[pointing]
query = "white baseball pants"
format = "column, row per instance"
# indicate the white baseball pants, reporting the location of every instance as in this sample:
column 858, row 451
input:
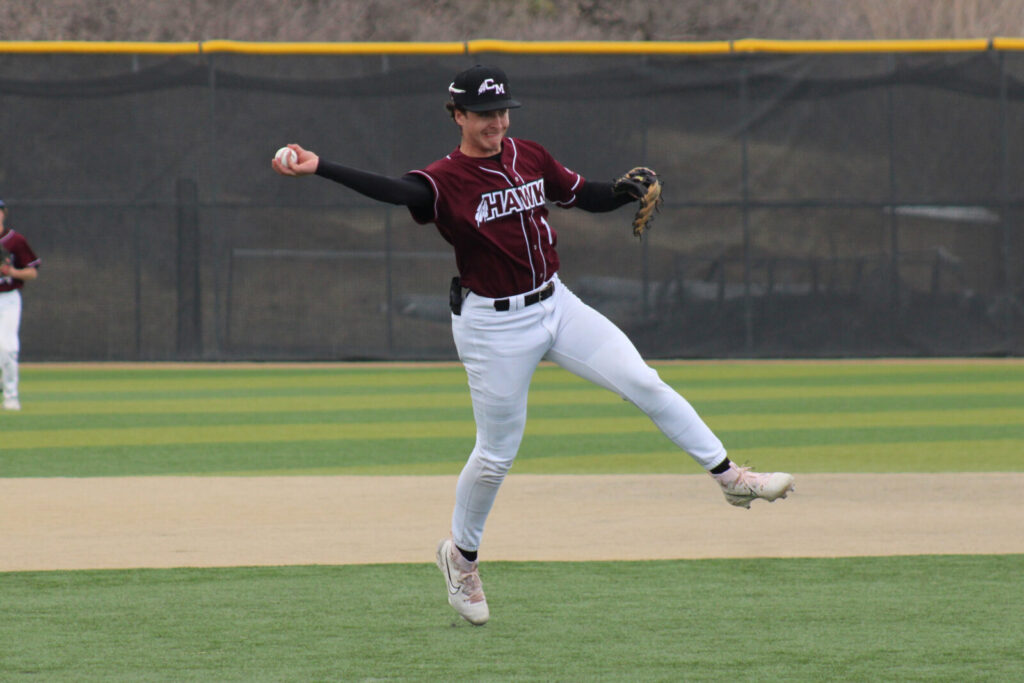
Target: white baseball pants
column 10, row 320
column 500, row 351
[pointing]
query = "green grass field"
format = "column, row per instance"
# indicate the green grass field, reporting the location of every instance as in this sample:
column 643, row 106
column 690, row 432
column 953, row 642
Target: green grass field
column 867, row 619
column 938, row 618
column 804, row 417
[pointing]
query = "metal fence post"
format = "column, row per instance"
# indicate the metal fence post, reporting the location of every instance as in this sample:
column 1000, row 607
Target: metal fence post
column 894, row 228
column 389, row 283
column 389, row 247
column 189, row 310
column 1004, row 202
column 221, row 322
column 745, row 122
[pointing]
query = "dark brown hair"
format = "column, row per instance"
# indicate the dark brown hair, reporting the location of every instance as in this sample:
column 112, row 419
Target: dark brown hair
column 450, row 107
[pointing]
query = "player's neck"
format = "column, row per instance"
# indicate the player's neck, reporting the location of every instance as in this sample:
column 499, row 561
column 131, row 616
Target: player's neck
column 475, row 151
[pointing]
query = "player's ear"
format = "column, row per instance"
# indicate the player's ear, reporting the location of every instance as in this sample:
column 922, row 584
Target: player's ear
column 459, row 115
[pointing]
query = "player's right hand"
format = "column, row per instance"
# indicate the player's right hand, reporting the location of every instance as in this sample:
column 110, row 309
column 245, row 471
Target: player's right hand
column 305, row 164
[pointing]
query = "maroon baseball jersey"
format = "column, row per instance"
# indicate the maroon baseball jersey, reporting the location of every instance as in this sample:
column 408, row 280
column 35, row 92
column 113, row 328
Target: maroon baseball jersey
column 15, row 247
column 493, row 212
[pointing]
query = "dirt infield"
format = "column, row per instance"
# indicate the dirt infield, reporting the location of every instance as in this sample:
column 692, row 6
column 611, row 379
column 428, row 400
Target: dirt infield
column 227, row 521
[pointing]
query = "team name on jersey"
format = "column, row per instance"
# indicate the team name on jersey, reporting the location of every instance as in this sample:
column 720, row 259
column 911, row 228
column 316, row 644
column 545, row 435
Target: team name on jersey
column 510, row 200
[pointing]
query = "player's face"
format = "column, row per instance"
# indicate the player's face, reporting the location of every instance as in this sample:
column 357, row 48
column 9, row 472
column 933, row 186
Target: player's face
column 482, row 132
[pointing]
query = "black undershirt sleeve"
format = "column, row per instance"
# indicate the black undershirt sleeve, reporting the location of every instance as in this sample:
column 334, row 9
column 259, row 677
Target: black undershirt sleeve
column 414, row 192
column 409, row 190
column 598, row 197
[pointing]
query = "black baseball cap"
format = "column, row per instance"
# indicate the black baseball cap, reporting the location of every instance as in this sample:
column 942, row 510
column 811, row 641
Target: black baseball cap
column 482, row 88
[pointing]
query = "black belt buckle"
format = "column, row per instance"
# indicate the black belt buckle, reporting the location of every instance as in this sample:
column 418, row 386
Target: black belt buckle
column 542, row 295
column 455, row 296
column 528, row 300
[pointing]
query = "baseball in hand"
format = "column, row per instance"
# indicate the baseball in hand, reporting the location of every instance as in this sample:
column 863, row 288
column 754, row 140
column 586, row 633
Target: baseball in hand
column 286, row 156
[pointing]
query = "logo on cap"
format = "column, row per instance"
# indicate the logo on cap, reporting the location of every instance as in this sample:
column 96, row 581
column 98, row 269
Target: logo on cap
column 489, row 84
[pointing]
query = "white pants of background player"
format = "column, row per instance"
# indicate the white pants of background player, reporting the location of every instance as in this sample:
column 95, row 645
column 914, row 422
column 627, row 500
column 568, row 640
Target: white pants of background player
column 10, row 319
column 500, row 351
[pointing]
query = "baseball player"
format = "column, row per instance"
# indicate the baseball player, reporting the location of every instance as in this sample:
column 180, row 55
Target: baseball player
column 18, row 263
column 489, row 199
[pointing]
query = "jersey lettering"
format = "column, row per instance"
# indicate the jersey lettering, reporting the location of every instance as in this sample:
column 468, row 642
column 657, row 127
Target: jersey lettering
column 510, row 200
column 494, row 212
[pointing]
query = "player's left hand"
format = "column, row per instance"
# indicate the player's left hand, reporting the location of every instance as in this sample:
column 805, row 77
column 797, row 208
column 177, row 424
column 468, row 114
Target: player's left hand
column 636, row 182
column 642, row 184
column 5, row 269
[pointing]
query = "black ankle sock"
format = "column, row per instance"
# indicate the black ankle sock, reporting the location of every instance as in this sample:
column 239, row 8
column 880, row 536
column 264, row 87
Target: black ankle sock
column 722, row 467
column 468, row 554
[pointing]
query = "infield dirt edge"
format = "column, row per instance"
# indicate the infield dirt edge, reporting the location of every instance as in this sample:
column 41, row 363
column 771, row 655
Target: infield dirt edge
column 135, row 522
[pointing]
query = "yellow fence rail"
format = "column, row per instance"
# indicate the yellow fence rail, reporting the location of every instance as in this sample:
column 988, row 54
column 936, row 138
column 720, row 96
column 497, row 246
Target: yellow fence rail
column 722, row 47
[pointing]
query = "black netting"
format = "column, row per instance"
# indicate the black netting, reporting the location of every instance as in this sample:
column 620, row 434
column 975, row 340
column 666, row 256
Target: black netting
column 817, row 205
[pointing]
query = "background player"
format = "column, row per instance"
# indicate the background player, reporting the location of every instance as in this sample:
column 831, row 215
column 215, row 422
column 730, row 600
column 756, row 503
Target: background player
column 510, row 310
column 18, row 263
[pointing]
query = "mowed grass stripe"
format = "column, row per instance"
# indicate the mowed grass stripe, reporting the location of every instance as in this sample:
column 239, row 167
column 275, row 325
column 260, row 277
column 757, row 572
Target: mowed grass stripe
column 569, row 419
column 842, row 390
column 370, row 375
column 56, row 380
column 850, row 420
column 56, row 400
column 594, row 402
column 597, row 409
column 120, row 380
column 284, row 385
column 195, row 401
column 983, row 455
column 892, row 370
column 236, row 433
column 976, row 455
column 862, row 404
column 539, row 395
column 921, row 450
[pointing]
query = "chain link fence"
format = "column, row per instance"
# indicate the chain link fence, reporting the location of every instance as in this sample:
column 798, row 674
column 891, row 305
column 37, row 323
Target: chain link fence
column 817, row 205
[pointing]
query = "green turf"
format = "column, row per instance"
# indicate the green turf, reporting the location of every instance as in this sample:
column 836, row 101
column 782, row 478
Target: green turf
column 935, row 618
column 802, row 416
column 944, row 618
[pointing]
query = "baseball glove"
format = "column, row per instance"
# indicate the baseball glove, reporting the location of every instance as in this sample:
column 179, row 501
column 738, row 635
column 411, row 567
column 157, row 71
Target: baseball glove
column 642, row 184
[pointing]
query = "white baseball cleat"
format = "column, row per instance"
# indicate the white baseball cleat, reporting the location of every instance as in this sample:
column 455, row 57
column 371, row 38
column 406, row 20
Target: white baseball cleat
column 12, row 404
column 741, row 486
column 462, row 579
